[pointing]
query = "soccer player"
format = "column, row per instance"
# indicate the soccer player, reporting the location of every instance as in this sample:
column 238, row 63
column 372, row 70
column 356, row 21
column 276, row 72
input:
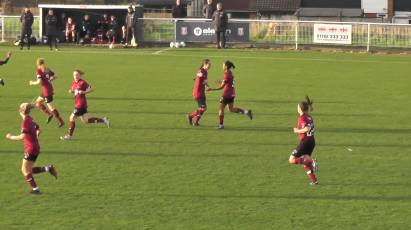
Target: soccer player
column 79, row 87
column 228, row 95
column 200, row 86
column 70, row 30
column 29, row 133
column 305, row 131
column 44, row 78
column 3, row 63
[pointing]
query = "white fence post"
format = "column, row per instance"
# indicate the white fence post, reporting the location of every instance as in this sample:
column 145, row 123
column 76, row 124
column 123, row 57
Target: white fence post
column 296, row 35
column 368, row 37
column 2, row 29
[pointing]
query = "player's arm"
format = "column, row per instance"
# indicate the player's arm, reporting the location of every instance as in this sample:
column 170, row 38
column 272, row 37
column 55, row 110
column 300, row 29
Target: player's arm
column 37, row 127
column 88, row 90
column 302, row 130
column 7, row 58
column 36, row 82
column 15, row 138
column 222, row 84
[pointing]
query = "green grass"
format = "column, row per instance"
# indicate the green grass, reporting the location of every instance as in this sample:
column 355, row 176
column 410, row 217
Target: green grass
column 152, row 171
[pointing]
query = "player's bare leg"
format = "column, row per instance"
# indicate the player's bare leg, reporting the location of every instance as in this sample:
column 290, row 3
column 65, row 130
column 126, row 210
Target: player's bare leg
column 233, row 109
column 55, row 113
column 26, row 169
column 309, row 166
column 40, row 105
column 72, row 126
column 221, row 116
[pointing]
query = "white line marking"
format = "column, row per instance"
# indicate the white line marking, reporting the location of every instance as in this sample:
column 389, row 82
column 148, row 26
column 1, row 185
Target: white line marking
column 160, row 51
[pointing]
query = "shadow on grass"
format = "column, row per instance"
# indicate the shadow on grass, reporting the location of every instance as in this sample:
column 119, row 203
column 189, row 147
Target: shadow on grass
column 292, row 197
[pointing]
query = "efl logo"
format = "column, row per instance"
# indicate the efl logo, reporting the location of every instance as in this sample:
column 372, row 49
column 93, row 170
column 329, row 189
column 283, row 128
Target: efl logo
column 198, row 31
column 240, row 31
column 184, row 31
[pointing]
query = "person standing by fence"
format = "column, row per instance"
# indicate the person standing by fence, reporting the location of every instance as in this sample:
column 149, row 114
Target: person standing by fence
column 220, row 20
column 130, row 27
column 208, row 9
column 51, row 29
column 179, row 10
column 26, row 20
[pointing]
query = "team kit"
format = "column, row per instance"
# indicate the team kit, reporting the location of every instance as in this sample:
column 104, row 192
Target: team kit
column 30, row 130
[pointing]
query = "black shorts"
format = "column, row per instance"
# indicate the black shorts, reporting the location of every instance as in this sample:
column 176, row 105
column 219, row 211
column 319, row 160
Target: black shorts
column 306, row 147
column 201, row 102
column 80, row 112
column 48, row 99
column 226, row 101
column 30, row 157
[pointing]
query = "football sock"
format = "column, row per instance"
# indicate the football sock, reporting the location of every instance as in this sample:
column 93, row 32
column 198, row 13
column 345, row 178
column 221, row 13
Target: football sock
column 57, row 115
column 221, row 117
column 199, row 113
column 238, row 110
column 30, row 179
column 43, row 109
column 36, row 170
column 71, row 128
column 310, row 173
column 95, row 120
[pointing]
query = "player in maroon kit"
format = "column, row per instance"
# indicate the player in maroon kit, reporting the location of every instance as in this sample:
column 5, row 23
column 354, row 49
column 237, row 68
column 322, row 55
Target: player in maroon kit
column 80, row 88
column 3, row 63
column 200, row 86
column 44, row 78
column 305, row 131
column 228, row 95
column 29, row 133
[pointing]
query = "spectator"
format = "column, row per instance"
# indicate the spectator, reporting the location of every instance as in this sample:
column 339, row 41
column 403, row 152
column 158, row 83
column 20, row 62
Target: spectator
column 61, row 26
column 85, row 31
column 102, row 26
column 112, row 31
column 220, row 20
column 130, row 30
column 208, row 10
column 26, row 20
column 70, row 30
column 51, row 29
column 179, row 10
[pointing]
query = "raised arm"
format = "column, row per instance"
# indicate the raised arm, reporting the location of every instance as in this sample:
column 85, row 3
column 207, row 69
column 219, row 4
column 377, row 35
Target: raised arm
column 15, row 138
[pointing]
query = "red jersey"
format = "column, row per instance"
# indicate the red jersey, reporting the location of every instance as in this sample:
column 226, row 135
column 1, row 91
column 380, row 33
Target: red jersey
column 229, row 90
column 31, row 142
column 306, row 120
column 45, row 81
column 80, row 99
column 200, row 82
column 70, row 26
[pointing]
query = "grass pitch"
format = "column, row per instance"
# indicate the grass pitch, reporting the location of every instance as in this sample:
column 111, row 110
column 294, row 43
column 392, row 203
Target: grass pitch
column 151, row 170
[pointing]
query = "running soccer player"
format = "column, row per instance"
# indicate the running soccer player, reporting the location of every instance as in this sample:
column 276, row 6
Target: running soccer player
column 79, row 87
column 29, row 133
column 44, row 78
column 305, row 131
column 3, row 63
column 200, row 86
column 228, row 95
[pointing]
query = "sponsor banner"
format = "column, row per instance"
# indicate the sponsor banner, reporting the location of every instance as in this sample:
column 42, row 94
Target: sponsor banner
column 192, row 31
column 333, row 34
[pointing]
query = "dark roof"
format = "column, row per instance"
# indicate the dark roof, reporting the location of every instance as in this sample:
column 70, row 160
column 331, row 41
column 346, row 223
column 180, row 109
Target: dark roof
column 277, row 5
column 236, row 5
column 402, row 5
column 332, row 3
column 329, row 12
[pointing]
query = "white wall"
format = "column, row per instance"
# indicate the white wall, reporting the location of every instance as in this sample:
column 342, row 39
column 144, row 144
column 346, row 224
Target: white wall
column 374, row 6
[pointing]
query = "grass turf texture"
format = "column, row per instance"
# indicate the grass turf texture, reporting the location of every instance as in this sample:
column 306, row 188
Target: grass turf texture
column 153, row 171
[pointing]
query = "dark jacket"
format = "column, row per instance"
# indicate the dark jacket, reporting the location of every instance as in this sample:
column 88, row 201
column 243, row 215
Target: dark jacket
column 130, row 19
column 208, row 11
column 220, row 20
column 86, row 27
column 51, row 25
column 26, row 20
column 113, row 25
column 179, row 11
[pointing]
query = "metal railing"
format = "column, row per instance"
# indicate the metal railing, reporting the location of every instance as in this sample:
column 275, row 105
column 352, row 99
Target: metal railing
column 288, row 32
column 11, row 27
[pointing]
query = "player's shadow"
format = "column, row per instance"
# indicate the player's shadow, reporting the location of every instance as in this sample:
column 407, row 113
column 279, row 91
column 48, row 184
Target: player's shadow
column 291, row 197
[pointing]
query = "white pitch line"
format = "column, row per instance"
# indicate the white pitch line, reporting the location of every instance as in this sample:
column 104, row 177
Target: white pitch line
column 160, row 51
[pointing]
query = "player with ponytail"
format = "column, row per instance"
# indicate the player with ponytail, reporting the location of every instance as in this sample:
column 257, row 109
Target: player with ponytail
column 305, row 131
column 228, row 95
column 30, row 132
